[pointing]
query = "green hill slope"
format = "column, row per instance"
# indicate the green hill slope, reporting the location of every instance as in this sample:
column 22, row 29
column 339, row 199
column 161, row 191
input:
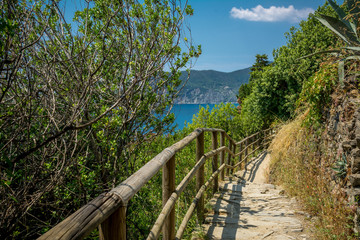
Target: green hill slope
column 209, row 86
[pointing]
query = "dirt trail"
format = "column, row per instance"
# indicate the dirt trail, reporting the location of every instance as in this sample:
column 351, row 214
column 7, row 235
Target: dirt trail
column 249, row 208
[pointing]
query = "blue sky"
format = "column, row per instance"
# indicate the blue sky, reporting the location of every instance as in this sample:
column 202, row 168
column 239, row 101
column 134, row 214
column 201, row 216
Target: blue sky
column 231, row 41
column 232, row 32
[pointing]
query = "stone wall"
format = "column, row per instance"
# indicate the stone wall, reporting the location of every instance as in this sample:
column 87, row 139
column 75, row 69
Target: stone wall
column 343, row 140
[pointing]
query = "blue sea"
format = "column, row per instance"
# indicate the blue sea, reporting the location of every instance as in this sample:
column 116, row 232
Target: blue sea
column 185, row 112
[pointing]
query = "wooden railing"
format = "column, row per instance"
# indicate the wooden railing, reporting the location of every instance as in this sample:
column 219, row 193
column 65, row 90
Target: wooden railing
column 108, row 210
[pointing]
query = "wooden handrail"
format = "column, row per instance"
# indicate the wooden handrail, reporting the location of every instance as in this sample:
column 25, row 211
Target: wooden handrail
column 108, row 210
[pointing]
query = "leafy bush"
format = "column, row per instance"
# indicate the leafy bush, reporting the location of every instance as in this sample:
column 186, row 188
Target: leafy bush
column 79, row 100
column 223, row 116
column 316, row 92
column 276, row 88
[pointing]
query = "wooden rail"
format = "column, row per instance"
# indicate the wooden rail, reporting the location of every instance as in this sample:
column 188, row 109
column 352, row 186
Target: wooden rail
column 108, row 210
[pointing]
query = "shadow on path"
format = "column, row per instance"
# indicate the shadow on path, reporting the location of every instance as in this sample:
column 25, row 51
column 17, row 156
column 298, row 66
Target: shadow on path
column 252, row 167
column 228, row 217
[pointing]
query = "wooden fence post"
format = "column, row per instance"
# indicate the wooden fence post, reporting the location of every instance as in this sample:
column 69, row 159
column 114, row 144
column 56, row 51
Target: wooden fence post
column 265, row 138
column 222, row 154
column 228, row 162
column 263, row 142
column 253, row 143
column 114, row 227
column 168, row 187
column 240, row 156
column 215, row 161
column 200, row 176
column 232, row 160
column 246, row 152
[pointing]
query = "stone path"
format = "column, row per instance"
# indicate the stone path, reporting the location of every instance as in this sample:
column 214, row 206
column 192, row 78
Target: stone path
column 248, row 208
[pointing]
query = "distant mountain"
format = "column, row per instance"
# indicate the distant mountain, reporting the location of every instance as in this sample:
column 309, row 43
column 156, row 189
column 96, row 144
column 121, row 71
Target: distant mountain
column 209, row 86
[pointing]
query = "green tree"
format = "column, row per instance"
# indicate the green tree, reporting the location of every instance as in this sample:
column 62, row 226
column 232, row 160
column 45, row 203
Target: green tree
column 244, row 91
column 260, row 63
column 277, row 86
column 78, row 100
column 223, row 116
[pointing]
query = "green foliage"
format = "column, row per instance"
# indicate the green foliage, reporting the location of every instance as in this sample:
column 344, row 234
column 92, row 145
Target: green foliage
column 316, row 92
column 276, row 88
column 343, row 27
column 341, row 167
column 260, row 63
column 256, row 69
column 78, row 107
column 244, row 91
column 346, row 27
column 222, row 116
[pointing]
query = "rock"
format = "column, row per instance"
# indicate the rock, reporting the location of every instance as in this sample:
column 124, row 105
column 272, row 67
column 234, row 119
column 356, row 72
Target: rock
column 355, row 160
column 341, row 128
column 264, row 191
column 355, row 193
column 355, row 180
column 346, row 146
column 355, row 152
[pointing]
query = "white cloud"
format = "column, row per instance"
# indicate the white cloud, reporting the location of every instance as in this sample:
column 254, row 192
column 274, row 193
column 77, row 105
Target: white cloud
column 272, row 14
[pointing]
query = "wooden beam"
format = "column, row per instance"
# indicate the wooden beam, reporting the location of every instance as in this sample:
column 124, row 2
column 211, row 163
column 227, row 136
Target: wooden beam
column 156, row 229
column 191, row 209
column 112, row 204
column 240, row 155
column 232, row 162
column 215, row 161
column 114, row 227
column 222, row 155
column 168, row 187
column 246, row 152
column 200, row 177
column 228, row 162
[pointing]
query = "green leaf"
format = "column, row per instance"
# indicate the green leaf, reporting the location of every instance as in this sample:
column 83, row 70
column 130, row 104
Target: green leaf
column 338, row 27
column 342, row 16
column 13, row 198
column 352, row 48
column 340, row 12
column 353, row 58
column 354, row 10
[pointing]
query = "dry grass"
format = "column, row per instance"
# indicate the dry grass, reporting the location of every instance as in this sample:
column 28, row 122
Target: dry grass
column 302, row 167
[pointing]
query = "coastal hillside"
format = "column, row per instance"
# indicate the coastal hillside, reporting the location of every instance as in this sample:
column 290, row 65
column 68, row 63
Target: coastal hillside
column 209, row 86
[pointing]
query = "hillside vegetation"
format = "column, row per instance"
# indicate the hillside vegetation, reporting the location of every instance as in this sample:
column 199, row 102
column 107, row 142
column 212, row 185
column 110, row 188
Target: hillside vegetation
column 315, row 93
